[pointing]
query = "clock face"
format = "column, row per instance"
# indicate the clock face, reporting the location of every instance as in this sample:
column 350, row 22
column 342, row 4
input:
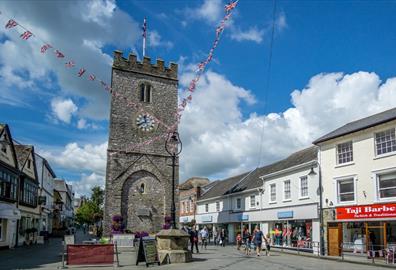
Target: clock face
column 145, row 122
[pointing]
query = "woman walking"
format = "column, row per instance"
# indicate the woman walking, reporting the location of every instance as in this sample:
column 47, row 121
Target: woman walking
column 258, row 239
column 194, row 239
column 222, row 237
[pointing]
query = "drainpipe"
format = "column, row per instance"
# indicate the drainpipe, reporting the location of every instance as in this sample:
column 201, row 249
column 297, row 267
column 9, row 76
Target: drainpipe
column 321, row 244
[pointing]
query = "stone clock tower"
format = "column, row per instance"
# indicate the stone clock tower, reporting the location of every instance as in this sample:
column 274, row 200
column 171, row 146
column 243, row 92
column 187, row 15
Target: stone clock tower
column 138, row 179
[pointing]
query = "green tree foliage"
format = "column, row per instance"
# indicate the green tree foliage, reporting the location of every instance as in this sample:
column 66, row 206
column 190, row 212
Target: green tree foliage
column 91, row 210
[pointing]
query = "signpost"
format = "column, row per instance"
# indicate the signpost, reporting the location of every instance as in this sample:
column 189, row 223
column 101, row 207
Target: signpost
column 147, row 251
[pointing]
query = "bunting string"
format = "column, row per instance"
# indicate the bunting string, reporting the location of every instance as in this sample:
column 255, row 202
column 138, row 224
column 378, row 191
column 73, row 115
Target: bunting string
column 188, row 93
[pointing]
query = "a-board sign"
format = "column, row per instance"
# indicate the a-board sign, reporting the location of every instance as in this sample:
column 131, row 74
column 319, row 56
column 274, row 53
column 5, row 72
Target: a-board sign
column 147, row 251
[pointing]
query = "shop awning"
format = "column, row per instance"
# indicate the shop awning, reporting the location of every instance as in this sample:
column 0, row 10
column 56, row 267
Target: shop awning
column 9, row 211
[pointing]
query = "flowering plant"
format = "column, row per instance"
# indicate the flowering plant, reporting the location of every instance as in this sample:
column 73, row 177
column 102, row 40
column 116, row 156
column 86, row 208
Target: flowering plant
column 117, row 225
column 141, row 234
column 167, row 224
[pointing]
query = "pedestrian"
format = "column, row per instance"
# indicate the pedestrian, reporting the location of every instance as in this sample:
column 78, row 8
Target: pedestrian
column 222, row 237
column 267, row 240
column 239, row 241
column 258, row 239
column 215, row 236
column 194, row 239
column 204, row 237
column 246, row 237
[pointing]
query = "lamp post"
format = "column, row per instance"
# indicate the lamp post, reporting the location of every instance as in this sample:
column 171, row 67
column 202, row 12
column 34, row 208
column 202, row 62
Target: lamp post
column 172, row 147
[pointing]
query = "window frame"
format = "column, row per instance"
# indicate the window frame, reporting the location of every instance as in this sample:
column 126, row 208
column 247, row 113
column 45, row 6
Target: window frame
column 270, row 193
column 218, row 206
column 345, row 178
column 301, row 187
column 375, row 177
column 146, row 92
column 284, row 190
column 206, row 208
column 375, row 142
column 338, row 163
column 238, row 203
column 254, row 201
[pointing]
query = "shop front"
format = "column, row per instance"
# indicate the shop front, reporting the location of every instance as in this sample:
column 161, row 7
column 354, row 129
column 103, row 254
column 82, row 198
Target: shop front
column 290, row 232
column 362, row 228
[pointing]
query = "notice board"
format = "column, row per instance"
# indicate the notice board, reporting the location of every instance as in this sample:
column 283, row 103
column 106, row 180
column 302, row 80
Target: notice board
column 147, row 251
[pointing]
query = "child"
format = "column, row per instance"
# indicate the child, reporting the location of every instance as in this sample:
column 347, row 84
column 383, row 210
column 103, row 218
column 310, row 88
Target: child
column 239, row 241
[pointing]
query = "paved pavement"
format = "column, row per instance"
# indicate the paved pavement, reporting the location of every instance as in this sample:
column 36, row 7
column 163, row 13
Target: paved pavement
column 214, row 258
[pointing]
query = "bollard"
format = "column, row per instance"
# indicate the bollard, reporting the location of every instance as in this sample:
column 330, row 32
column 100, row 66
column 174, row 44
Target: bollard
column 118, row 261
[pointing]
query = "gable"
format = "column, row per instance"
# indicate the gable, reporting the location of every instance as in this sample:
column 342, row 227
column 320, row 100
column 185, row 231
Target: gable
column 7, row 151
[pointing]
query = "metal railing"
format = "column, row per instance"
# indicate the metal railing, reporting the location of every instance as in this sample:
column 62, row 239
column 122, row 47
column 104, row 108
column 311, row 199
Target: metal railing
column 302, row 246
column 370, row 251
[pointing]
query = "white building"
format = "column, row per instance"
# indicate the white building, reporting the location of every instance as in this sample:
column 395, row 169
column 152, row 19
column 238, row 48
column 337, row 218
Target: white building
column 9, row 213
column 281, row 198
column 66, row 214
column 46, row 178
column 358, row 168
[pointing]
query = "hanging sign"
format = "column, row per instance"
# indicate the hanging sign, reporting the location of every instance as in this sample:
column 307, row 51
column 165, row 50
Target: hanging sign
column 387, row 210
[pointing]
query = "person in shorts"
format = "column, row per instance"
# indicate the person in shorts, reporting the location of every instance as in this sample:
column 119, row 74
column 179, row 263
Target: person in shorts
column 258, row 239
column 267, row 241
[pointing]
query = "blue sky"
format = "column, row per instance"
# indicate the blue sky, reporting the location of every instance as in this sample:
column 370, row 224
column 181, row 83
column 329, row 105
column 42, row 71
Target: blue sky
column 332, row 62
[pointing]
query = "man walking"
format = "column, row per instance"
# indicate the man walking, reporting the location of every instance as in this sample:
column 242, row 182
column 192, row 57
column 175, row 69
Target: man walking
column 258, row 239
column 204, row 237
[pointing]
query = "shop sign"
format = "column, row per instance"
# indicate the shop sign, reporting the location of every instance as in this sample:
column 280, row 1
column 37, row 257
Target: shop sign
column 285, row 214
column 243, row 217
column 206, row 218
column 387, row 210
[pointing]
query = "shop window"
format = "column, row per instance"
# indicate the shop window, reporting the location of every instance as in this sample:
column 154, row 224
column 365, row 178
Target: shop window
column 304, row 187
column 385, row 141
column 145, row 92
column 286, row 190
column 346, row 190
column 386, row 184
column 217, row 206
column 344, row 153
column 238, row 203
column 206, row 208
column 273, row 193
column 252, row 201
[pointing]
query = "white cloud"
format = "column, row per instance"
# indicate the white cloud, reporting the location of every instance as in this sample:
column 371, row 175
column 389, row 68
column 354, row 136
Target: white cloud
column 63, row 109
column 213, row 126
column 89, row 158
column 80, row 30
column 280, row 21
column 210, row 11
column 155, row 40
column 252, row 34
column 87, row 182
column 99, row 10
column 82, row 123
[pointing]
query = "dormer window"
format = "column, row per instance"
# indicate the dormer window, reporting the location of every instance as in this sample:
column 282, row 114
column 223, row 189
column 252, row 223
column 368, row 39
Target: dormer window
column 145, row 92
column 28, row 164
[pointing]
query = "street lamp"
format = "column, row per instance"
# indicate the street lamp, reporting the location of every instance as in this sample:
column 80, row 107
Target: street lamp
column 172, row 147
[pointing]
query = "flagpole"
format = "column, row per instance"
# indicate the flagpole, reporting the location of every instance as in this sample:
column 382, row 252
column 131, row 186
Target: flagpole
column 144, row 36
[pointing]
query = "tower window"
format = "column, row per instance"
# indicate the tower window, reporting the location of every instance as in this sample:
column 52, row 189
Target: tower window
column 145, row 92
column 141, row 189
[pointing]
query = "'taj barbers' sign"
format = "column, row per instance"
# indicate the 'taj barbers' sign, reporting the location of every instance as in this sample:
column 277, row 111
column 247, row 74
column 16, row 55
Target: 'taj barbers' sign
column 367, row 211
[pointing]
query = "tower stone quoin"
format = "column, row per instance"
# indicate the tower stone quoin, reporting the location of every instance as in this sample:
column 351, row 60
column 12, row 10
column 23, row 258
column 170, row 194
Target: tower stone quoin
column 139, row 180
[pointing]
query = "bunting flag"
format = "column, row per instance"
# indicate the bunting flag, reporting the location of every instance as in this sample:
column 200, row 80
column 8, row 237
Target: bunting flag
column 26, row 35
column 69, row 64
column 81, row 72
column 10, row 24
column 45, row 47
column 230, row 6
column 59, row 54
column 191, row 88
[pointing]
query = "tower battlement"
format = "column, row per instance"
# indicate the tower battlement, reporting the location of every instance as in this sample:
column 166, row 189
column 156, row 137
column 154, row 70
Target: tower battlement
column 146, row 67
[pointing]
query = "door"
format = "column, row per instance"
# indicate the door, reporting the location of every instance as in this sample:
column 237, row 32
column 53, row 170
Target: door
column 334, row 234
column 376, row 235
